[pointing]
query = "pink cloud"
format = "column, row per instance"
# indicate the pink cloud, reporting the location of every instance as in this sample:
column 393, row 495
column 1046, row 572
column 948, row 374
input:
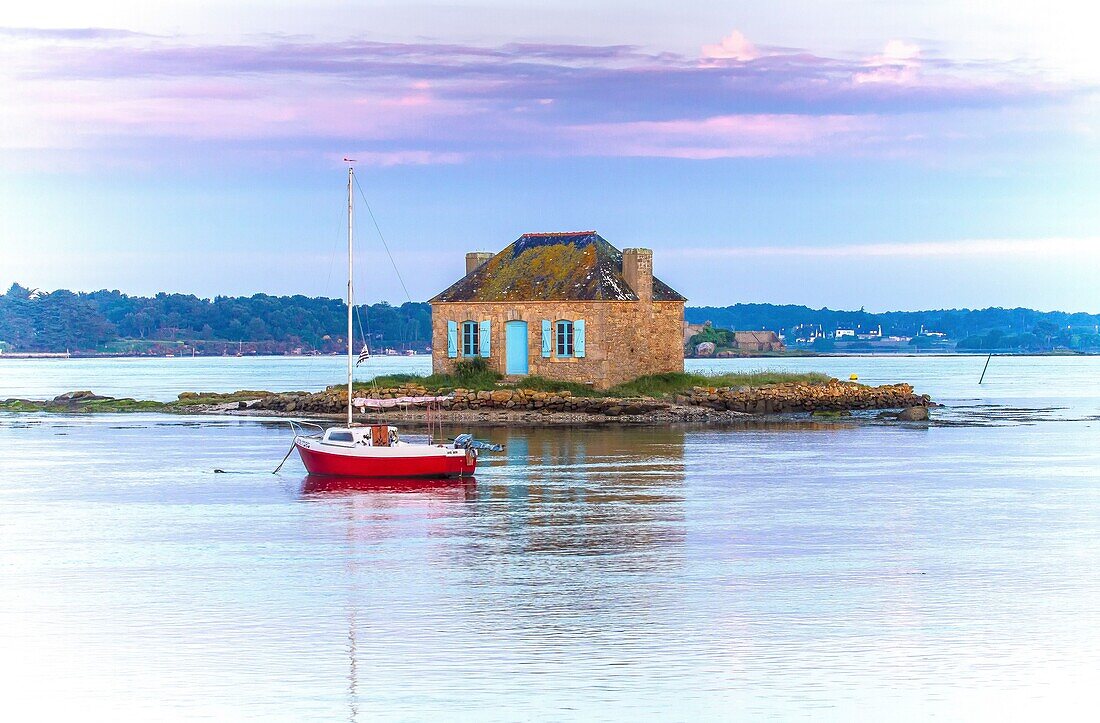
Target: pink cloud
column 734, row 46
column 740, row 136
column 899, row 62
column 444, row 103
column 408, row 158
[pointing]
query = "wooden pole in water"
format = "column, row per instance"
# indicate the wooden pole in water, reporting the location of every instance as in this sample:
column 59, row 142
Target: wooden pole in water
column 984, row 368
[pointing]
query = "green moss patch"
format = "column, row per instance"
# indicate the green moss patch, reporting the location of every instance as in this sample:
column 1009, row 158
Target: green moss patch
column 472, row 374
column 475, row 375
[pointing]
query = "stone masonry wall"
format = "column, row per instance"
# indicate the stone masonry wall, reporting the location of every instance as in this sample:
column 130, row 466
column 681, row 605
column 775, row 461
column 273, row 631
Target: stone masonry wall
column 833, row 396
column 623, row 339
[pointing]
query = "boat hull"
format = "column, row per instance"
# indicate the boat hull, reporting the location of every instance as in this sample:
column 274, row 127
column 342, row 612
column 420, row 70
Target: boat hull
column 386, row 462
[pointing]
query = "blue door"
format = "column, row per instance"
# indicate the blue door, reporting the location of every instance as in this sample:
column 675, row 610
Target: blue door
column 515, row 343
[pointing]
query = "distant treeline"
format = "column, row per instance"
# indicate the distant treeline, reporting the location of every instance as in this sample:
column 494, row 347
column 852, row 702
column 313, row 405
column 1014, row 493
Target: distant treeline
column 113, row 321
column 973, row 329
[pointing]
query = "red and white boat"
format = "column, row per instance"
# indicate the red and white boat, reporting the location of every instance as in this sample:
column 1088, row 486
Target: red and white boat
column 377, row 450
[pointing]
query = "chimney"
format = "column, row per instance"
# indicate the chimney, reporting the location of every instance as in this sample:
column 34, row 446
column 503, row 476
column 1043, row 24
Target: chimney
column 477, row 258
column 638, row 272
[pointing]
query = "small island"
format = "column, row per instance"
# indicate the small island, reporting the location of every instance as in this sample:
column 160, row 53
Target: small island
column 475, row 394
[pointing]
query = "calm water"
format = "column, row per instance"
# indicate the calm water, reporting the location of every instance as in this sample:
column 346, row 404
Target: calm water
column 791, row 571
column 946, row 378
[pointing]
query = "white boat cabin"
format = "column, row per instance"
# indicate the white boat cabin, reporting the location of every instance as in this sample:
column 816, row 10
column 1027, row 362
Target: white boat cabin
column 376, row 435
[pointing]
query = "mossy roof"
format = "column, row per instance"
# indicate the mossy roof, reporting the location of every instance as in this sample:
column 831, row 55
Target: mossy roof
column 575, row 266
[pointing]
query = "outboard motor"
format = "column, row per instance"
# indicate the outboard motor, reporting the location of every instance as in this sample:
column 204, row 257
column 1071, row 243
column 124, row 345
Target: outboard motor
column 467, row 441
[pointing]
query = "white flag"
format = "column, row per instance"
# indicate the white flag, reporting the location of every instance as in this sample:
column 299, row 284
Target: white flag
column 363, row 355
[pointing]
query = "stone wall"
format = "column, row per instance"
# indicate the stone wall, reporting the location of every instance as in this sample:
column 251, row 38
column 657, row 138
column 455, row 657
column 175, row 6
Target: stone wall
column 623, row 339
column 835, row 396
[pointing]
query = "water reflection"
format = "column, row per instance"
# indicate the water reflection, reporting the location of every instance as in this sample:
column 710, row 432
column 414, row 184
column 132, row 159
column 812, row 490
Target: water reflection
column 520, row 543
column 319, row 486
column 566, row 490
column 586, row 491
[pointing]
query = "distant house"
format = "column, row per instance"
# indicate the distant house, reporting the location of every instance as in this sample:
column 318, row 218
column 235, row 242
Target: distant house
column 841, row 333
column 757, row 341
column 691, row 330
column 804, row 334
column 565, row 306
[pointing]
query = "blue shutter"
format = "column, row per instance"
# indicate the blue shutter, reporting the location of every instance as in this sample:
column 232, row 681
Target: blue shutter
column 578, row 337
column 452, row 339
column 547, row 338
column 483, row 338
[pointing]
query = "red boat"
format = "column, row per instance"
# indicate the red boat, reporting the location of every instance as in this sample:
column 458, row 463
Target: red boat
column 378, row 451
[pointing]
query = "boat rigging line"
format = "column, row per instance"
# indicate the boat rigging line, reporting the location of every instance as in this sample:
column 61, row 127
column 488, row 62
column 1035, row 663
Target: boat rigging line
column 383, row 238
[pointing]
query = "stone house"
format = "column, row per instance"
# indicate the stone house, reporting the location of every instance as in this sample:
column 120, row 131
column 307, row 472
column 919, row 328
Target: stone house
column 565, row 306
column 757, row 341
column 691, row 330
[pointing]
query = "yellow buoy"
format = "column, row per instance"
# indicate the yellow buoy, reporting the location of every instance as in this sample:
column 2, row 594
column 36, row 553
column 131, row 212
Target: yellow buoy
column 854, row 377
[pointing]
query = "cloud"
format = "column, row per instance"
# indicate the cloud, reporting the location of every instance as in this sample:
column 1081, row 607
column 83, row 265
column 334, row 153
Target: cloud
column 441, row 103
column 1041, row 248
column 734, row 46
column 408, row 158
column 899, row 62
column 736, row 136
column 70, row 33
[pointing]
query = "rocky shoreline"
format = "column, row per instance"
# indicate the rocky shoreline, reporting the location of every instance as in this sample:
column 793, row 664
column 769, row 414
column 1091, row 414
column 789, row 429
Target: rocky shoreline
column 524, row 406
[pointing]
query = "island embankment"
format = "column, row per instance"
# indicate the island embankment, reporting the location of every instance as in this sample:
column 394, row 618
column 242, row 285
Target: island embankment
column 668, row 400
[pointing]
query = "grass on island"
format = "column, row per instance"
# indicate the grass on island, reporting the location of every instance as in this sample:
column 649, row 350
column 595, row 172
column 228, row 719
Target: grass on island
column 661, row 385
column 477, row 375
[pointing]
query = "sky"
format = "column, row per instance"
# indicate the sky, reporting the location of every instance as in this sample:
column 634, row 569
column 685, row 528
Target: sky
column 839, row 153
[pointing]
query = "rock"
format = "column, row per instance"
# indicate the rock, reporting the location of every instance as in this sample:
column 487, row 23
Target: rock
column 82, row 396
column 705, row 348
column 913, row 414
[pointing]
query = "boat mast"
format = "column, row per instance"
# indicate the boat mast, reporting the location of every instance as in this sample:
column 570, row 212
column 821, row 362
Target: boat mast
column 351, row 178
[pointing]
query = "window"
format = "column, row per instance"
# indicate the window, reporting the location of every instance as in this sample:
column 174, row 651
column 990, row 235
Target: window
column 470, row 340
column 564, row 336
column 340, row 437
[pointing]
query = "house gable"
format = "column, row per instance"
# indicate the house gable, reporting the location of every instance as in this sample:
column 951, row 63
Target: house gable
column 574, row 266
